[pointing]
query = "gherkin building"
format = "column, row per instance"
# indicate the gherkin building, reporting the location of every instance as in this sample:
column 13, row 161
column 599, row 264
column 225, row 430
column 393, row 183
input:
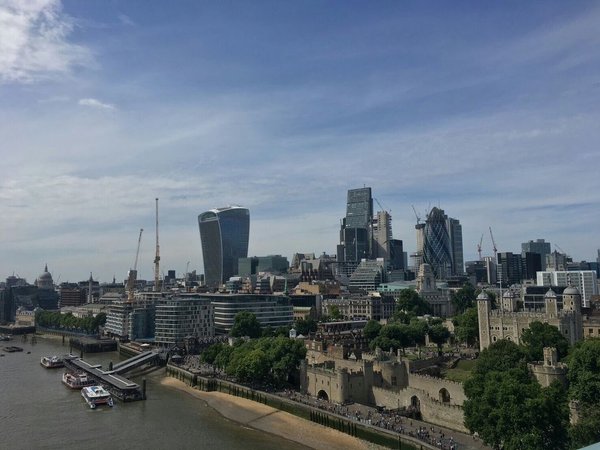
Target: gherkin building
column 437, row 249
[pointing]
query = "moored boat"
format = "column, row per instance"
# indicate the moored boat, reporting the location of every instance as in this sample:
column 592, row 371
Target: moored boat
column 52, row 362
column 96, row 395
column 76, row 380
column 12, row 349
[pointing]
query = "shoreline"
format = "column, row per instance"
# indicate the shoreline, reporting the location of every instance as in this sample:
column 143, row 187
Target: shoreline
column 274, row 421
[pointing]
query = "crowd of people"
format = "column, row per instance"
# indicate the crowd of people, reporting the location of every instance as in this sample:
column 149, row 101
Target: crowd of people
column 390, row 420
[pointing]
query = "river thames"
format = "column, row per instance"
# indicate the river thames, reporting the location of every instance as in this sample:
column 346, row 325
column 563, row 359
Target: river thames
column 38, row 412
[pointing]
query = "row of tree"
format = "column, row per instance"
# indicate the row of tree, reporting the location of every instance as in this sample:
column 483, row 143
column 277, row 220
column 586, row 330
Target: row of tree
column 58, row 321
column 266, row 360
column 509, row 409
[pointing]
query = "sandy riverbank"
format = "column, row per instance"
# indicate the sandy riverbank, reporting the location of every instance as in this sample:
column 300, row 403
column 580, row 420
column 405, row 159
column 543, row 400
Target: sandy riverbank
column 271, row 420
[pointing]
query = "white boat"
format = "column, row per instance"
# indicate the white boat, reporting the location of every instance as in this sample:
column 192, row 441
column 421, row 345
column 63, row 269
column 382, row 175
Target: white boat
column 96, row 395
column 52, row 362
column 76, row 380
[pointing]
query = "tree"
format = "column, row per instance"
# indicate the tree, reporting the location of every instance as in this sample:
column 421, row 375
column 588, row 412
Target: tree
column 334, row 312
column 464, row 298
column 305, row 326
column 466, row 327
column 540, row 335
column 438, row 334
column 418, row 330
column 587, row 429
column 371, row 330
column 394, row 336
column 508, row 408
column 584, row 373
column 245, row 323
column 410, row 302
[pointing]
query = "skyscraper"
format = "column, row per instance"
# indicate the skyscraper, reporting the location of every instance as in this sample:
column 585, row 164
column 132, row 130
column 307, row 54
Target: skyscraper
column 539, row 246
column 224, row 233
column 441, row 244
column 355, row 233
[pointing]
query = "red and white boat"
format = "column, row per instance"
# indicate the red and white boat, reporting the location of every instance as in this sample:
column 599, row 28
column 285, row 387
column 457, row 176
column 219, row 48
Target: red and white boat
column 76, row 380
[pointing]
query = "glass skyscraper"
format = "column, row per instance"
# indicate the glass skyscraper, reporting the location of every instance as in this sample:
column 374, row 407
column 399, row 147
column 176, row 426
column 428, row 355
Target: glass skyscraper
column 355, row 233
column 224, row 233
column 442, row 244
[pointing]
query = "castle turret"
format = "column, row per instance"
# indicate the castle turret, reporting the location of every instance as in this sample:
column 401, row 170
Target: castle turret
column 509, row 301
column 484, row 306
column 551, row 303
column 572, row 304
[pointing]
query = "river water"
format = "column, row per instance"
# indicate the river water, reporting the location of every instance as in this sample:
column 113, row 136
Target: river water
column 38, row 412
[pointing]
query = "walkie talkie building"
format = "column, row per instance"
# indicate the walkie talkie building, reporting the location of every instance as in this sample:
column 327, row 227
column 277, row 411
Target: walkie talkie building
column 224, row 233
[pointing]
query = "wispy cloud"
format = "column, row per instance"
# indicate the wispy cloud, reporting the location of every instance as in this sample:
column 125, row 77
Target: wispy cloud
column 33, row 41
column 125, row 20
column 94, row 103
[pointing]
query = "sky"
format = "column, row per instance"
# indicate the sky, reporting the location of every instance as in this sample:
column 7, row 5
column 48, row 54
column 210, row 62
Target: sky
column 490, row 111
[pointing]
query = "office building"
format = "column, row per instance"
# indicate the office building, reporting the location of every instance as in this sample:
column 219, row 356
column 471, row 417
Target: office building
column 382, row 235
column 356, row 232
column 510, row 268
column 270, row 310
column 224, row 233
column 539, row 246
column 584, row 280
column 532, row 264
column 178, row 317
column 253, row 265
column 439, row 244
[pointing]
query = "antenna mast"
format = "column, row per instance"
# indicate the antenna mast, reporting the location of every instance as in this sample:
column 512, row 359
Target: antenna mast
column 157, row 257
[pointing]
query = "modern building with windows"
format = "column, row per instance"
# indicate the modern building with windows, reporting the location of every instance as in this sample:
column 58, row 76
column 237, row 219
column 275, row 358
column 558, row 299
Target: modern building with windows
column 539, row 246
column 437, row 251
column 224, row 233
column 270, row 310
column 356, row 233
column 178, row 317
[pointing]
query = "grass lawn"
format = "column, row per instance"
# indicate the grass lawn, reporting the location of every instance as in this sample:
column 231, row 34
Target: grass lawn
column 461, row 372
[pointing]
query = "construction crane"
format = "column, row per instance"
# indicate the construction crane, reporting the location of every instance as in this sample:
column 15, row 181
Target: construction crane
column 416, row 215
column 381, row 206
column 479, row 246
column 132, row 274
column 494, row 244
column 157, row 256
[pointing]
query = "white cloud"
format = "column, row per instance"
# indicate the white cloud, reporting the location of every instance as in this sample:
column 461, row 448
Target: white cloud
column 33, row 41
column 94, row 103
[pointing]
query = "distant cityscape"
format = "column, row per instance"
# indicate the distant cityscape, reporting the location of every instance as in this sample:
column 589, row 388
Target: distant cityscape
column 369, row 280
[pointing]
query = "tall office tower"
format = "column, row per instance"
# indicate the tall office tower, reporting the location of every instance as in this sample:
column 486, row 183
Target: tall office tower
column 224, row 233
column 382, row 235
column 441, row 244
column 539, row 246
column 437, row 251
column 510, row 268
column 355, row 232
column 456, row 245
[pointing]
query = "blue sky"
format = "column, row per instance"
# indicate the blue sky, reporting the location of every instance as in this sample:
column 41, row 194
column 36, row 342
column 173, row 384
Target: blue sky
column 489, row 111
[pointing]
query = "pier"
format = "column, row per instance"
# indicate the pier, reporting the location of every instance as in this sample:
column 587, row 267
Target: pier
column 122, row 388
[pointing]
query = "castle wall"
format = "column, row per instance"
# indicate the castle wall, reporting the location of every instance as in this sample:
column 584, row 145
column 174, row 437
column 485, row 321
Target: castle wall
column 432, row 411
column 432, row 386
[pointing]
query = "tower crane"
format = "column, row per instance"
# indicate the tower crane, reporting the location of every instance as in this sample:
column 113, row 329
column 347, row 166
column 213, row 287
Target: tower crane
column 479, row 246
column 132, row 274
column 416, row 215
column 494, row 244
